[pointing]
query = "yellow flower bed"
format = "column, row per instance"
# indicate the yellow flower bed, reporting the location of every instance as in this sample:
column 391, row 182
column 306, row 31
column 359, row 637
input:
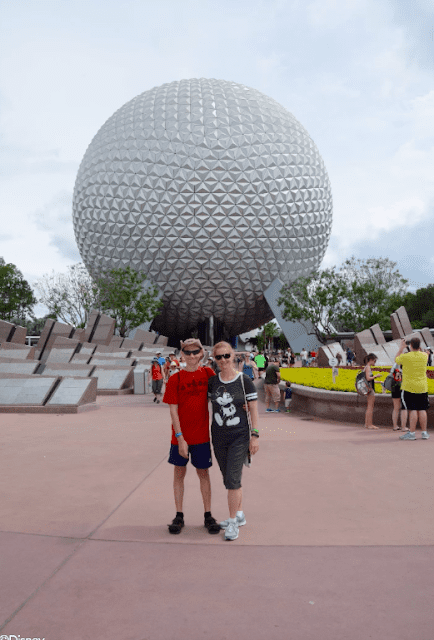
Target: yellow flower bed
column 323, row 378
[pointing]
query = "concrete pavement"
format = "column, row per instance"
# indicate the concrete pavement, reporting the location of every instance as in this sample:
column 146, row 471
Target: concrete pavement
column 338, row 543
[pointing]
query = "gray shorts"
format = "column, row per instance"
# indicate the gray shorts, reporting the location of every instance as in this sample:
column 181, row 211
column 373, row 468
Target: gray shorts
column 157, row 386
column 230, row 451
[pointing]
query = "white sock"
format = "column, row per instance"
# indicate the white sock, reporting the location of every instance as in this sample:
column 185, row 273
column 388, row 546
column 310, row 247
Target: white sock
column 232, row 519
column 240, row 514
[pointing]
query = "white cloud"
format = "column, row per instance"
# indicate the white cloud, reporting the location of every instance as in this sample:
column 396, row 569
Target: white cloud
column 334, row 13
column 343, row 67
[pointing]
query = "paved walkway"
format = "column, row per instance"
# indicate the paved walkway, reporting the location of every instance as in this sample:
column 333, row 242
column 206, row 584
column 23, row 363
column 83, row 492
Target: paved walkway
column 338, row 544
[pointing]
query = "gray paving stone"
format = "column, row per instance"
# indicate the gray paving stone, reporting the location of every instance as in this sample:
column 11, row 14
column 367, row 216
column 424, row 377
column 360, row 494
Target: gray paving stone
column 25, row 391
column 26, row 366
column 73, row 391
column 114, row 379
column 76, row 372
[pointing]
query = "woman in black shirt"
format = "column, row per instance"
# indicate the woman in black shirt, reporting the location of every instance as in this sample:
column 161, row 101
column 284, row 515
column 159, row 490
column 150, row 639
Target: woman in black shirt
column 230, row 431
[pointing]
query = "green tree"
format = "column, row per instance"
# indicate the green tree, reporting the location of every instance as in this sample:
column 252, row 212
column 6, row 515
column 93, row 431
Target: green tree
column 420, row 307
column 68, row 296
column 16, row 295
column 374, row 289
column 121, row 293
column 352, row 298
column 283, row 342
column 314, row 301
column 271, row 331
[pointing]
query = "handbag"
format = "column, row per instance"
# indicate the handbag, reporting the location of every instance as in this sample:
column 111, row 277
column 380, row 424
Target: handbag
column 248, row 459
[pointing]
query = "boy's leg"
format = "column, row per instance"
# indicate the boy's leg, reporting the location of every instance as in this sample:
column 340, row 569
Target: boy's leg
column 178, row 486
column 201, row 459
column 205, row 488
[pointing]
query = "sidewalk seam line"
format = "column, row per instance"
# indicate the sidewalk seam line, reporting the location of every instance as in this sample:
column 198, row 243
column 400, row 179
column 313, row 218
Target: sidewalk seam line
column 18, row 609
column 126, row 498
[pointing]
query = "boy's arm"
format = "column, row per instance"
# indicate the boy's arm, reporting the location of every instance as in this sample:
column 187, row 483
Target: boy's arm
column 182, row 445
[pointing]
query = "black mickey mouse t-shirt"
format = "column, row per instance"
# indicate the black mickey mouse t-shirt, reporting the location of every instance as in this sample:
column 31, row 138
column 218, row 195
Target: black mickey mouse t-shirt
column 227, row 398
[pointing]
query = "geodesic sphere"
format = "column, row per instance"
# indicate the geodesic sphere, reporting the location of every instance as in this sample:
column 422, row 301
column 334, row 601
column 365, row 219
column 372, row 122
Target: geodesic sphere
column 212, row 189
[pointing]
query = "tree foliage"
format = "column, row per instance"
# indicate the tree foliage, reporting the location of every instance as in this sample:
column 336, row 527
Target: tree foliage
column 420, row 307
column 16, row 295
column 315, row 302
column 121, row 294
column 69, row 296
column 352, row 298
column 374, row 289
column 282, row 341
column 270, row 331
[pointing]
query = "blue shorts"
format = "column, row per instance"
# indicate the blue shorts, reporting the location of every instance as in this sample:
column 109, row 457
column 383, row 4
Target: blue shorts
column 200, row 456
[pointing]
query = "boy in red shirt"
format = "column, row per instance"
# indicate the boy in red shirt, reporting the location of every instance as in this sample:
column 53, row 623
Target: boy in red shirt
column 187, row 396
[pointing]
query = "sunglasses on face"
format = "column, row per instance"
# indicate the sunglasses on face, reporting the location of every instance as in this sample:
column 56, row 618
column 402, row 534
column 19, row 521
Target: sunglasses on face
column 226, row 356
column 191, row 353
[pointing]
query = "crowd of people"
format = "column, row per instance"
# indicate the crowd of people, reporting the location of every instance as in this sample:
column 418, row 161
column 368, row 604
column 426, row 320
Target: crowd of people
column 409, row 389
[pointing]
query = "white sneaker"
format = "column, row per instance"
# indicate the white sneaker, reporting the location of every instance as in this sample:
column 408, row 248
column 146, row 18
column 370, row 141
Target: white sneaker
column 231, row 532
column 240, row 521
column 425, row 435
column 408, row 436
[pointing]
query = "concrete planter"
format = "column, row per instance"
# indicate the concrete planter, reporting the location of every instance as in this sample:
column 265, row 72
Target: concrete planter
column 345, row 407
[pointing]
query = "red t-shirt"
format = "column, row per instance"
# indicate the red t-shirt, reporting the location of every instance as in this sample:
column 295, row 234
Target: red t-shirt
column 156, row 372
column 189, row 390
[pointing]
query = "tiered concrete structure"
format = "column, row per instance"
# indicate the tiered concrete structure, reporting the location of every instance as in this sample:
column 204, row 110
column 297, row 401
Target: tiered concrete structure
column 372, row 340
column 68, row 368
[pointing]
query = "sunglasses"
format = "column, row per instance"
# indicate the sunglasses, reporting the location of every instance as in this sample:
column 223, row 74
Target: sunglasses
column 191, row 353
column 226, row 356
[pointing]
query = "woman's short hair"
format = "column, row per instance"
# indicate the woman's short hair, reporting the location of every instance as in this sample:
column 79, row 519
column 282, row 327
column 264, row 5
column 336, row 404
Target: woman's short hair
column 370, row 356
column 219, row 345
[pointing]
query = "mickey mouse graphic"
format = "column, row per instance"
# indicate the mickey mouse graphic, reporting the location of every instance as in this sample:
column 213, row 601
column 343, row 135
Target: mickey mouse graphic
column 227, row 411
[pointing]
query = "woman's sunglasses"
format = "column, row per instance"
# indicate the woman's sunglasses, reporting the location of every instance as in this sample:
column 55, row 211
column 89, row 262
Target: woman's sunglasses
column 191, row 353
column 226, row 356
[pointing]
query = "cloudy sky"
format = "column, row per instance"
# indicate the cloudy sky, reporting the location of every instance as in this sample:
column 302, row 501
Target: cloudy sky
column 358, row 74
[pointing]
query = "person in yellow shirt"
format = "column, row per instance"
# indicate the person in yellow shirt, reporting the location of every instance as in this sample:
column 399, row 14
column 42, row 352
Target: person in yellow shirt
column 414, row 387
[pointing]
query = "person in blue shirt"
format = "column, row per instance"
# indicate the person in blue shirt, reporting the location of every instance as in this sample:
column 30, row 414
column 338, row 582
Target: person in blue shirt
column 248, row 369
column 160, row 358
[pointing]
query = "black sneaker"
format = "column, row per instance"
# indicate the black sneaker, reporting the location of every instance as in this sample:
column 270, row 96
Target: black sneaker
column 176, row 525
column 212, row 525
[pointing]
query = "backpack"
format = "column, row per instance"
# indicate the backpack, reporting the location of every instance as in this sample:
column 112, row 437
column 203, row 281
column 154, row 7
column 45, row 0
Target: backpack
column 362, row 385
column 388, row 382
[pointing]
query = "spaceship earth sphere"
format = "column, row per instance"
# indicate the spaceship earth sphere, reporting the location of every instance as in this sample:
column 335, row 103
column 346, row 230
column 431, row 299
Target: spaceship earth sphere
column 211, row 188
